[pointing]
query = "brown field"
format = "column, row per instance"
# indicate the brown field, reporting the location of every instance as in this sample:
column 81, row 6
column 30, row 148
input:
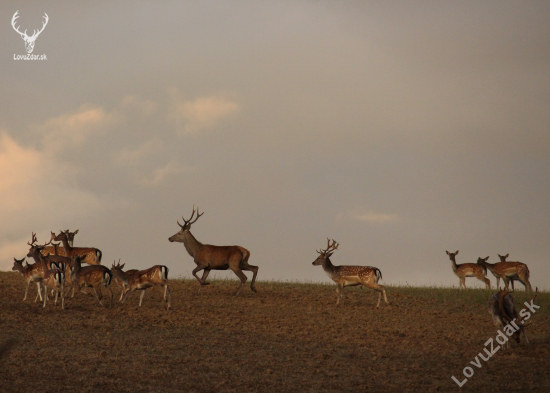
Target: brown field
column 289, row 337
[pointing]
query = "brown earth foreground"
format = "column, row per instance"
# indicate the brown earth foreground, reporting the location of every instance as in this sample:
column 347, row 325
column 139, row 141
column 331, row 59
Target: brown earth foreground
column 289, row 337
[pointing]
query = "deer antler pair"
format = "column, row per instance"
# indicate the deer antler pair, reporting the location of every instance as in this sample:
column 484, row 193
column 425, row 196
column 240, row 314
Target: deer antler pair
column 330, row 247
column 189, row 222
column 34, row 240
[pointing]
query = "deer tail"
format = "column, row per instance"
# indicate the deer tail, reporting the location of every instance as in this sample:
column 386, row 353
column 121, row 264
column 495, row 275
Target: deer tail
column 378, row 274
column 164, row 272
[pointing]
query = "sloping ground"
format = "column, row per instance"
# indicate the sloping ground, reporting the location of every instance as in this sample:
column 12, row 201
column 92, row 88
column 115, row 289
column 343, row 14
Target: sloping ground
column 286, row 338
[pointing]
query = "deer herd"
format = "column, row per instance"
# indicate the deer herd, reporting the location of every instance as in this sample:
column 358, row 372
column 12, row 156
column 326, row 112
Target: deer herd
column 58, row 266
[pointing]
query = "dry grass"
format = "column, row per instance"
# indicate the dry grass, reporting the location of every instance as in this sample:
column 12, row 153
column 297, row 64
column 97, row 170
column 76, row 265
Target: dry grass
column 289, row 337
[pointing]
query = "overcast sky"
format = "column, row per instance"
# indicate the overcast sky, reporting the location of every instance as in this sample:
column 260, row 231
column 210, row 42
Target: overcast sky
column 401, row 129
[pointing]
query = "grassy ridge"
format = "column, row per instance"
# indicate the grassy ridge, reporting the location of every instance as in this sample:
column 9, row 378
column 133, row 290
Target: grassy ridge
column 289, row 337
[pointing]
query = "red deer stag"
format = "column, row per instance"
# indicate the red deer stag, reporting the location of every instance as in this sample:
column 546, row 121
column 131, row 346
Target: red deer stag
column 122, row 283
column 92, row 255
column 31, row 276
column 208, row 257
column 90, row 276
column 143, row 279
column 468, row 270
column 347, row 276
column 502, row 309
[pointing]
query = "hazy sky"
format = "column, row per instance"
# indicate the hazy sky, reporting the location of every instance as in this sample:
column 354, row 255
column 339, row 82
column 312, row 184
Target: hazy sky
column 401, row 129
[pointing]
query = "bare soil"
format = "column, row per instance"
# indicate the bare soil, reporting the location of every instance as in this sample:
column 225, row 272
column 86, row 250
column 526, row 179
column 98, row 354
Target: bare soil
column 289, row 337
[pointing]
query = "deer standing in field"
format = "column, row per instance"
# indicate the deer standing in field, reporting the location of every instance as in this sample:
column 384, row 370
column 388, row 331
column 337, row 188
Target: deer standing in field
column 53, row 278
column 468, row 270
column 61, row 262
column 510, row 271
column 31, row 276
column 122, row 283
column 347, row 276
column 143, row 279
column 92, row 255
column 94, row 276
column 502, row 310
column 209, row 257
column 54, row 249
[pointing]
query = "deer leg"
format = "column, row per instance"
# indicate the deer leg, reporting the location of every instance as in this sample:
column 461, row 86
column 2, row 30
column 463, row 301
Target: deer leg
column 111, row 300
column 39, row 292
column 141, row 297
column 98, row 294
column 167, row 291
column 512, row 282
column 485, row 280
column 254, row 270
column 194, row 272
column 241, row 276
column 62, row 297
column 339, row 292
column 26, row 290
column 498, row 283
column 378, row 288
column 45, row 295
column 204, row 276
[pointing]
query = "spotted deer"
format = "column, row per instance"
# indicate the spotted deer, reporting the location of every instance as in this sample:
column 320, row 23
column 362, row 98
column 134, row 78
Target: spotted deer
column 143, row 279
column 505, row 317
column 92, row 255
column 347, row 276
column 209, row 257
column 54, row 249
column 94, row 276
column 468, row 270
column 117, row 270
column 511, row 271
column 31, row 276
column 61, row 262
column 54, row 279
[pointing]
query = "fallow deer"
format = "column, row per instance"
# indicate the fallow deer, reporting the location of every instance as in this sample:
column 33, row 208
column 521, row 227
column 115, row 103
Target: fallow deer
column 117, row 270
column 502, row 310
column 35, row 251
column 53, row 278
column 468, row 270
column 54, row 249
column 143, row 279
column 30, row 275
column 94, row 276
column 346, row 276
column 92, row 255
column 511, row 271
column 209, row 257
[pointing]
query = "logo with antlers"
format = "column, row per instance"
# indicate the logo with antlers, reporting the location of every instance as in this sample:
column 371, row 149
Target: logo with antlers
column 29, row 41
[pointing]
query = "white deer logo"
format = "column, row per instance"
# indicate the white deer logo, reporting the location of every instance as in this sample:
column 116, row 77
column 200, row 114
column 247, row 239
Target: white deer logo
column 29, row 41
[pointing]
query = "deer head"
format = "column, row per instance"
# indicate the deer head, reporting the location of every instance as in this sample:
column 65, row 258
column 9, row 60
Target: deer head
column 29, row 41
column 186, row 227
column 503, row 257
column 326, row 253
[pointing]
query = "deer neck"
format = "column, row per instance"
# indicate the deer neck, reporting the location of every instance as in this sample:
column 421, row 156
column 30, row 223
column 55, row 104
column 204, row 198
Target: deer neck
column 66, row 246
column 328, row 267
column 455, row 266
column 191, row 244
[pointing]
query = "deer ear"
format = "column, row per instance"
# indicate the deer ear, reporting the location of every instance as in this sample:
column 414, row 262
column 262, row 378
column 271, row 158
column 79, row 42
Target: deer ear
column 507, row 255
column 456, row 253
column 75, row 232
column 448, row 253
column 486, row 259
column 329, row 254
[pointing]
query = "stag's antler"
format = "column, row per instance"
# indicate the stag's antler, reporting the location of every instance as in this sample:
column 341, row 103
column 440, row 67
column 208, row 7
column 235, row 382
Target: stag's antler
column 33, row 239
column 189, row 222
column 330, row 247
